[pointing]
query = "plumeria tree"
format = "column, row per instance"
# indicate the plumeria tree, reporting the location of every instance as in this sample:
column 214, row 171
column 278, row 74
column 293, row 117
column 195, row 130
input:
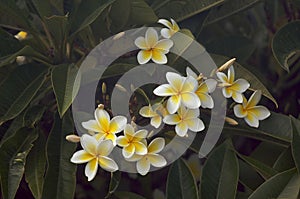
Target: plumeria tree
column 216, row 116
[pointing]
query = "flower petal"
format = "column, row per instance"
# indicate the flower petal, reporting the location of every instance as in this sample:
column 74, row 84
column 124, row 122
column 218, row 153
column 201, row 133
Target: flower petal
column 111, row 137
column 105, row 147
column 171, row 119
column 175, row 25
column 81, row 157
column 195, row 124
column 190, row 84
column 181, row 129
column 164, row 45
column 166, row 33
column 260, row 112
column 206, row 100
column 192, row 113
column 211, row 84
column 91, row 125
column 140, row 134
column 117, row 124
column 190, row 100
column 175, row 80
column 227, row 92
column 140, row 148
column 231, row 75
column 173, row 103
column 129, row 131
column 143, row 166
column 134, row 158
column 165, row 23
column 222, row 77
column 251, row 120
column 239, row 111
column 156, row 145
column 156, row 121
column 190, row 72
column 151, row 37
column 108, row 164
column 159, row 57
column 89, row 144
column 140, row 42
column 91, row 169
column 144, row 56
column 237, row 97
column 128, row 151
column 122, row 141
column 240, row 85
column 102, row 118
column 157, row 160
column 164, row 90
column 254, row 99
column 147, row 111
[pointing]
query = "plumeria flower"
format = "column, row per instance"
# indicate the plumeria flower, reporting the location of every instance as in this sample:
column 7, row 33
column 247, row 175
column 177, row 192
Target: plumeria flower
column 103, row 126
column 181, row 91
column 95, row 153
column 233, row 88
column 185, row 119
column 155, row 112
column 152, row 48
column 172, row 28
column 151, row 158
column 132, row 142
column 203, row 90
column 250, row 112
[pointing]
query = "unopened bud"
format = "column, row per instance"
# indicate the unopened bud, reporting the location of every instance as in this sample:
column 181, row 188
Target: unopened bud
column 100, row 106
column 231, row 121
column 21, row 35
column 73, row 138
column 226, row 65
column 119, row 35
column 103, row 88
column 120, row 87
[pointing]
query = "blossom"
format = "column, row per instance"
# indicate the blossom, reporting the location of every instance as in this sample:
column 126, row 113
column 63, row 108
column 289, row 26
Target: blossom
column 151, row 157
column 95, row 153
column 103, row 126
column 21, row 35
column 181, row 91
column 152, row 48
column 233, row 88
column 154, row 112
column 172, row 28
column 203, row 90
column 185, row 119
column 132, row 142
column 250, row 112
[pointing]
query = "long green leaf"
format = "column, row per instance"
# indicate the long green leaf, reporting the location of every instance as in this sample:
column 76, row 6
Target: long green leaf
column 42, row 7
column 220, row 173
column 284, row 161
column 13, row 154
column 8, row 44
column 114, row 183
column 181, row 182
column 296, row 142
column 60, row 179
column 286, row 43
column 63, row 82
column 282, row 185
column 19, row 89
column 36, row 166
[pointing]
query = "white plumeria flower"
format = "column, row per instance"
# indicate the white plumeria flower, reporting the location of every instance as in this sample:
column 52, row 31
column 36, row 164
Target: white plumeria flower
column 181, row 91
column 103, row 126
column 185, row 119
column 203, row 90
column 172, row 28
column 94, row 152
column 132, row 142
column 155, row 112
column 250, row 112
column 233, row 88
column 152, row 48
column 151, row 158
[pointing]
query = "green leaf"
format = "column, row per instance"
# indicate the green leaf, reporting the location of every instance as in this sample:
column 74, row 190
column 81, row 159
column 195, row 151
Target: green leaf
column 141, row 13
column 282, row 185
column 8, row 44
column 92, row 17
column 220, row 173
column 242, row 72
column 286, row 43
column 284, row 161
column 36, row 166
column 229, row 8
column 60, row 179
column 42, row 7
column 264, row 170
column 13, row 156
column 19, row 88
column 63, row 83
column 181, row 182
column 118, row 22
column 33, row 114
column 114, row 182
column 180, row 10
column 296, row 142
column 127, row 195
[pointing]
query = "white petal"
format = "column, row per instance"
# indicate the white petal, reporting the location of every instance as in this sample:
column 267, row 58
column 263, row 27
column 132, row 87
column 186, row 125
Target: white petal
column 190, row 100
column 105, row 147
column 140, row 148
column 128, row 151
column 140, row 134
column 251, row 120
column 173, row 103
column 231, row 74
column 195, row 124
column 102, row 118
column 147, row 111
column 206, row 100
column 81, row 157
column 260, row 112
column 144, row 56
column 240, row 85
column 108, row 164
column 157, row 160
column 175, row 25
column 190, row 84
column 237, row 97
column 166, row 33
column 129, row 130
column 143, row 166
column 157, row 145
column 222, row 77
column 91, row 169
column 175, row 80
column 239, row 111
column 122, row 141
column 156, row 121
column 151, row 37
column 254, row 99
column 140, row 42
column 192, row 113
column 164, row 90
column 89, row 144
column 211, row 84
column 91, row 125
column 181, row 129
column 117, row 124
column 227, row 92
column 159, row 57
column 164, row 45
column 171, row 119
column 165, row 23
column 190, row 72
column 134, row 158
